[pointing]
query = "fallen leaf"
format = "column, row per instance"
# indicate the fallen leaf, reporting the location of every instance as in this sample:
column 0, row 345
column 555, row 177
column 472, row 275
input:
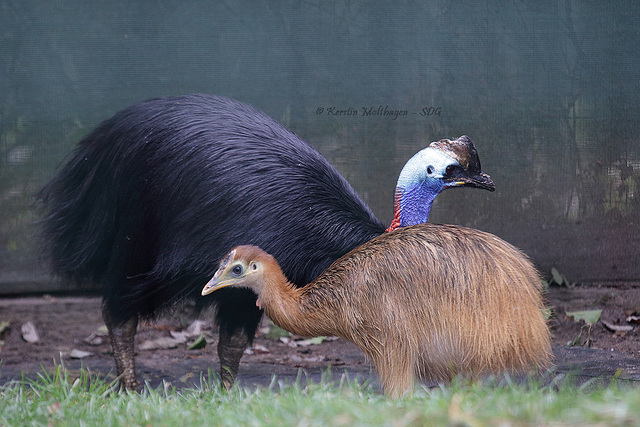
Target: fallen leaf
column 310, row 341
column 29, row 332
column 181, row 337
column 617, row 328
column 97, row 337
column 557, row 277
column 200, row 342
column 94, row 340
column 160, row 343
column 288, row 341
column 319, row 358
column 260, row 349
column 589, row 316
column 79, row 354
column 256, row 349
column 294, row 358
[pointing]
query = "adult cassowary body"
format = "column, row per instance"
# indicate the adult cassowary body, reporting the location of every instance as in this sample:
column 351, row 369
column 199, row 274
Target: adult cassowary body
column 150, row 201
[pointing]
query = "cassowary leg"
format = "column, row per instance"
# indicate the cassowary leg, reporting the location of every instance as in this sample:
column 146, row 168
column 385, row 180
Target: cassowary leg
column 231, row 347
column 396, row 374
column 238, row 319
column 122, row 338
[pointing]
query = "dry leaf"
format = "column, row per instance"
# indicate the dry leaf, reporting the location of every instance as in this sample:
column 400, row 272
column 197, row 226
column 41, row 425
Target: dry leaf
column 97, row 337
column 260, row 349
column 181, row 337
column 160, row 343
column 310, row 341
column 617, row 328
column 79, row 354
column 29, row 332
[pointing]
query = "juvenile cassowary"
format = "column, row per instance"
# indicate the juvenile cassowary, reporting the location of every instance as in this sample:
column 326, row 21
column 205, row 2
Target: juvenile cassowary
column 152, row 198
column 426, row 301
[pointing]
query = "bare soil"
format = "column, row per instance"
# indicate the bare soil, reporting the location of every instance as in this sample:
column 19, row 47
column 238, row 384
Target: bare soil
column 65, row 324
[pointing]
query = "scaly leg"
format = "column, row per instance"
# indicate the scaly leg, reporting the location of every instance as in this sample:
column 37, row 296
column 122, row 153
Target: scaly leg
column 231, row 347
column 238, row 318
column 122, row 339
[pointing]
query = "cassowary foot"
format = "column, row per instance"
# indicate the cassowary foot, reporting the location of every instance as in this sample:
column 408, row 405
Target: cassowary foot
column 230, row 350
column 122, row 342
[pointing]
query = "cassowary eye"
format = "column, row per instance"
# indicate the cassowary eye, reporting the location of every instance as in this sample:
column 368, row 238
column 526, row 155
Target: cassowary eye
column 450, row 169
column 236, row 270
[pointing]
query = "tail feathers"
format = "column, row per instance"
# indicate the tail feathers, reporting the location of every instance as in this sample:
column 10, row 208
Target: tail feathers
column 78, row 219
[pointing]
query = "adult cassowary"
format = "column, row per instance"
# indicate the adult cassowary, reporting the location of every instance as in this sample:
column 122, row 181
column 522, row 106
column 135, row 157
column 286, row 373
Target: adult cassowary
column 152, row 198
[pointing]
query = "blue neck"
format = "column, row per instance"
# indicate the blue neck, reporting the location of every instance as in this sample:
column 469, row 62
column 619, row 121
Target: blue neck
column 419, row 183
column 416, row 202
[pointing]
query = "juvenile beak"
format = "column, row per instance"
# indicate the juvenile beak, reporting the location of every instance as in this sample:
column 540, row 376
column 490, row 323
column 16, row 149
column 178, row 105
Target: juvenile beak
column 215, row 283
column 218, row 280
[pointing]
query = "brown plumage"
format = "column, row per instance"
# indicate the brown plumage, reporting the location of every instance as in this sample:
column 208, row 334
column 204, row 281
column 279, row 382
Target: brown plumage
column 427, row 301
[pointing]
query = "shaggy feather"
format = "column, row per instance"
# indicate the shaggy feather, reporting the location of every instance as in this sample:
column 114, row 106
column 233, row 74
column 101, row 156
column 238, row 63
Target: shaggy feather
column 412, row 314
column 135, row 206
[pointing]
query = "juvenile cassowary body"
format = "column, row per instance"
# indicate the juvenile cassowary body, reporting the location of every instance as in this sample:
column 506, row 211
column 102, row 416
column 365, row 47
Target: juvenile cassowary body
column 427, row 301
column 152, row 198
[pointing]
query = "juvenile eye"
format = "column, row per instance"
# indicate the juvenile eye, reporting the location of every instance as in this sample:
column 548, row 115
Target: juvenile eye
column 236, row 270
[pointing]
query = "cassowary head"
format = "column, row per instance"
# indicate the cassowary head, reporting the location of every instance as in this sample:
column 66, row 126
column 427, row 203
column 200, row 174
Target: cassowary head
column 245, row 267
column 443, row 164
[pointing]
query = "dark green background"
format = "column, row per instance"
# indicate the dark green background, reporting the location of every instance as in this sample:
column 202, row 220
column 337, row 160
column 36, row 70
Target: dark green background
column 548, row 90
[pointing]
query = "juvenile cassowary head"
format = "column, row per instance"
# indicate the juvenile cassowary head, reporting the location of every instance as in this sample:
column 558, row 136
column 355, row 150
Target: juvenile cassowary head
column 443, row 164
column 244, row 266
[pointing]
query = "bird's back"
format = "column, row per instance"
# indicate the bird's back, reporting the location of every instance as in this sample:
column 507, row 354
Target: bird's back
column 448, row 297
column 151, row 200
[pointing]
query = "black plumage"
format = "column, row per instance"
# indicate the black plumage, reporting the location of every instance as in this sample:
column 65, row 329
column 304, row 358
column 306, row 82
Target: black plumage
column 150, row 201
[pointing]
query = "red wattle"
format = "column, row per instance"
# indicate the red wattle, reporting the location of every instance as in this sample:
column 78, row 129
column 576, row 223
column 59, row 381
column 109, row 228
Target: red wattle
column 395, row 224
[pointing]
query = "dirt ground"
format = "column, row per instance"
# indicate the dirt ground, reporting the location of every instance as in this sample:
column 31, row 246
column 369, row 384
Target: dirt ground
column 70, row 331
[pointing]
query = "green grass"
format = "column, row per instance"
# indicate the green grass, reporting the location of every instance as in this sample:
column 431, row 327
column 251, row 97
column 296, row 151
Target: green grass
column 57, row 399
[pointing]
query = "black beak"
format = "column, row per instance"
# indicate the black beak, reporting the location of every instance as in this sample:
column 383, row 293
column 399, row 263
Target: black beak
column 462, row 178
